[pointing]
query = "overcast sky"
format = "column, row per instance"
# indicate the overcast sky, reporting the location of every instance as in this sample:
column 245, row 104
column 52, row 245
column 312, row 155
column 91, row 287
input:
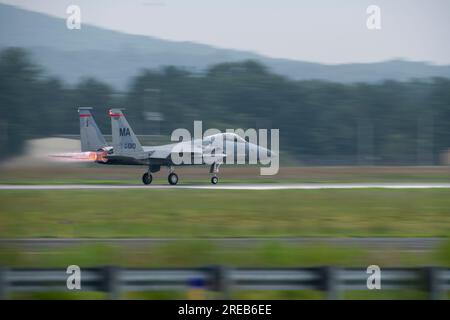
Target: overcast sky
column 327, row 31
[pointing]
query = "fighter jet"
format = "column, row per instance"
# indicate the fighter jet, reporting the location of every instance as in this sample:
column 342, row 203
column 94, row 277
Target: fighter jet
column 127, row 150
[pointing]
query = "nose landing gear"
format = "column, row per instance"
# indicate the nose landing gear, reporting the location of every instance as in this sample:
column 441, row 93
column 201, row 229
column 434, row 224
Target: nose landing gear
column 147, row 178
column 214, row 169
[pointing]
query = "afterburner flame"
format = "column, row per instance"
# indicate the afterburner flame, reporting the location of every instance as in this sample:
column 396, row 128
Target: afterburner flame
column 91, row 156
column 101, row 156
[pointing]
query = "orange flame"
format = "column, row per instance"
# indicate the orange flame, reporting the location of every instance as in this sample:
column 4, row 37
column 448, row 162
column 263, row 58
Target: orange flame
column 90, row 156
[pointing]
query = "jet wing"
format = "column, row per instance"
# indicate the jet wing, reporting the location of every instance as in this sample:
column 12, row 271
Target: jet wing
column 164, row 151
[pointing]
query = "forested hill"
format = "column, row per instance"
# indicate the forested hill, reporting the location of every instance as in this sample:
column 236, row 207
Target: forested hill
column 115, row 57
column 320, row 122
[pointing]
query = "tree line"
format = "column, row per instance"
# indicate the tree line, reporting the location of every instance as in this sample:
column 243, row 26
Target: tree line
column 320, row 122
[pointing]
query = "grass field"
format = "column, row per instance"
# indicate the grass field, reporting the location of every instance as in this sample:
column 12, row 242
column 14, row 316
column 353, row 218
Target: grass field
column 95, row 174
column 194, row 253
column 224, row 213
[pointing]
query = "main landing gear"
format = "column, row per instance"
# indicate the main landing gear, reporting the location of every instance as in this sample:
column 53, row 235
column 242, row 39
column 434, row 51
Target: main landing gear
column 147, row 177
column 172, row 178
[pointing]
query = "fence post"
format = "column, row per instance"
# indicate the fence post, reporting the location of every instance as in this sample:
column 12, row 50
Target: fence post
column 3, row 283
column 432, row 282
column 330, row 283
column 112, row 282
column 221, row 280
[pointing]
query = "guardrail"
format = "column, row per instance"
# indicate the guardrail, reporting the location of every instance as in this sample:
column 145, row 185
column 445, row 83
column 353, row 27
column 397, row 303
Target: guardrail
column 332, row 281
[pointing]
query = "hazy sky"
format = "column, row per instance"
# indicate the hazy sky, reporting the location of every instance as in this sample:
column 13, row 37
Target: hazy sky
column 327, row 31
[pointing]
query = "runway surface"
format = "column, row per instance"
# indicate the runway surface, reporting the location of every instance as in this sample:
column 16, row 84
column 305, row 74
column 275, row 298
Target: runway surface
column 261, row 186
column 415, row 244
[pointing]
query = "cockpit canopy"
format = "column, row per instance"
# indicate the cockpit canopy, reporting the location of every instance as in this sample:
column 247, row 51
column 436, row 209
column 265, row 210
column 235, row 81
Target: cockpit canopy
column 227, row 136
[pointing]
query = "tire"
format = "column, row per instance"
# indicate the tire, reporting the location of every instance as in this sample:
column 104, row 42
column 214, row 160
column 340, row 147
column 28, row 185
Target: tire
column 147, row 178
column 173, row 178
column 214, row 180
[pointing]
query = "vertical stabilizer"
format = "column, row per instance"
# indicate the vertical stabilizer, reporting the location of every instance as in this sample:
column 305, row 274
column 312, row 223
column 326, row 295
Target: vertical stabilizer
column 125, row 141
column 90, row 135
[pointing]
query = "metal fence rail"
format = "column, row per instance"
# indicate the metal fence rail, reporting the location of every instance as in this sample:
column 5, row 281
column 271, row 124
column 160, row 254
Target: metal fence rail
column 330, row 280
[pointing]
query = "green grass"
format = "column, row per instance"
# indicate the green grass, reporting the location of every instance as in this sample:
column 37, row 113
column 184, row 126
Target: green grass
column 185, row 253
column 217, row 213
column 224, row 213
column 98, row 174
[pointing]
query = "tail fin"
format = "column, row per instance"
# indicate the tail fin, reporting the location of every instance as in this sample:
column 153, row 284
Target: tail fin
column 124, row 139
column 91, row 137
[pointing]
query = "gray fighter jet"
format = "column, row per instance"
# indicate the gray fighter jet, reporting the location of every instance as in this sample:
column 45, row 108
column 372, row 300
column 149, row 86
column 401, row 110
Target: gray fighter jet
column 127, row 150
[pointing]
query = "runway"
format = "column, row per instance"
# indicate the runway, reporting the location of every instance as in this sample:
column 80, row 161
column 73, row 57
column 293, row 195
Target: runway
column 261, row 186
column 415, row 244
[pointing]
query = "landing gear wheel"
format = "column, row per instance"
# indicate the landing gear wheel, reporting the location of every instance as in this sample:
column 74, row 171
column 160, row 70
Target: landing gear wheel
column 147, row 178
column 173, row 178
column 214, row 180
